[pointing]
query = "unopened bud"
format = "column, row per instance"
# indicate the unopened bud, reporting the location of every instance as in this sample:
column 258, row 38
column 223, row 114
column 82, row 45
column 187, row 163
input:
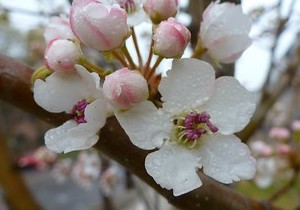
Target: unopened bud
column 98, row 25
column 61, row 55
column 171, row 39
column 159, row 10
column 125, row 88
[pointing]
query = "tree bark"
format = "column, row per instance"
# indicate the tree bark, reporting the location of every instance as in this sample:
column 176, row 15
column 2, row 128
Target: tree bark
column 15, row 88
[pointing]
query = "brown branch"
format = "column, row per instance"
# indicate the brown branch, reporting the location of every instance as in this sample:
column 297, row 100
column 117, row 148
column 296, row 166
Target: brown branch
column 15, row 191
column 15, row 88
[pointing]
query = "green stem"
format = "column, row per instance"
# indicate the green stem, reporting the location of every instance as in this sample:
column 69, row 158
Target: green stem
column 120, row 58
column 199, row 49
column 152, row 71
column 128, row 56
column 92, row 67
column 136, row 46
column 147, row 65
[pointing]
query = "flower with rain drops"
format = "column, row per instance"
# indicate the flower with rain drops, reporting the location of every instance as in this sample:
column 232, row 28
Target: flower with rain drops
column 194, row 128
column 79, row 94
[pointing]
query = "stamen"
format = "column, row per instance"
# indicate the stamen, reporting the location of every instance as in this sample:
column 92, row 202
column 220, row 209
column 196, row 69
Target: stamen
column 127, row 5
column 194, row 125
column 78, row 112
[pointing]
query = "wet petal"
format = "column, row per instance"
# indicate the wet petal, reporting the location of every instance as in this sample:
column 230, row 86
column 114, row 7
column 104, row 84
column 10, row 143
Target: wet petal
column 66, row 138
column 145, row 125
column 231, row 106
column 188, row 84
column 174, row 167
column 226, row 158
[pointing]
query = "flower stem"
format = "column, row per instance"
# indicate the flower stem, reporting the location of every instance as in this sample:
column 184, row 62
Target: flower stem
column 92, row 67
column 147, row 65
column 119, row 57
column 136, row 46
column 152, row 71
column 199, row 49
column 128, row 56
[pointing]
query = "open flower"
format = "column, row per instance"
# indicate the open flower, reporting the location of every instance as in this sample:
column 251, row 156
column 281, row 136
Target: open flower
column 224, row 31
column 194, row 128
column 77, row 93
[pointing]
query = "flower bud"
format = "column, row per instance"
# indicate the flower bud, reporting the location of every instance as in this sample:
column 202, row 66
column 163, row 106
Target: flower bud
column 99, row 26
column 125, row 88
column 171, row 39
column 279, row 133
column 58, row 28
column 160, row 10
column 224, row 31
column 61, row 55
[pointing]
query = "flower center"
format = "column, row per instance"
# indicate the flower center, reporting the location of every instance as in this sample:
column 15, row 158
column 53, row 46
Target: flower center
column 78, row 111
column 127, row 5
column 190, row 128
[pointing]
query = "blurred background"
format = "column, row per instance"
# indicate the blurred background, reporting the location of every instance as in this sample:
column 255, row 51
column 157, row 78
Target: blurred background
column 88, row 180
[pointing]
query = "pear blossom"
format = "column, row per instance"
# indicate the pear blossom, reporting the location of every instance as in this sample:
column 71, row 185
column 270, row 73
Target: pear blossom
column 224, row 31
column 170, row 39
column 61, row 55
column 98, row 25
column 58, row 28
column 80, row 95
column 159, row 10
column 194, row 128
column 125, row 88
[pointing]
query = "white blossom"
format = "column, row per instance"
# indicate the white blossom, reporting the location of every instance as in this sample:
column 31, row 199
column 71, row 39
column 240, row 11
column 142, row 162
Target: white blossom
column 77, row 93
column 194, row 128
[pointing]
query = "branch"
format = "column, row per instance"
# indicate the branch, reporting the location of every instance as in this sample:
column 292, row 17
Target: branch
column 15, row 88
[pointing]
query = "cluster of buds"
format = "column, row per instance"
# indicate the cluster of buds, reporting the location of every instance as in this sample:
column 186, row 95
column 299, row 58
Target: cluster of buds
column 152, row 109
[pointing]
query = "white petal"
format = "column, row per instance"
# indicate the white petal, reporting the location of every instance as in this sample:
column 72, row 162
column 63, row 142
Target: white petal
column 60, row 92
column 174, row 167
column 187, row 84
column 70, row 136
column 226, row 159
column 145, row 125
column 66, row 138
column 231, row 106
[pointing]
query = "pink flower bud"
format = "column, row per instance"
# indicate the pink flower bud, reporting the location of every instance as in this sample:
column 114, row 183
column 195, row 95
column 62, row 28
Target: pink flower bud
column 171, row 39
column 279, row 133
column 283, row 149
column 98, row 25
column 260, row 148
column 160, row 10
column 58, row 28
column 61, row 55
column 224, row 31
column 125, row 87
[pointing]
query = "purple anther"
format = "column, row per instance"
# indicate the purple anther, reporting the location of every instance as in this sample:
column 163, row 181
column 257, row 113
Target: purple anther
column 78, row 112
column 197, row 124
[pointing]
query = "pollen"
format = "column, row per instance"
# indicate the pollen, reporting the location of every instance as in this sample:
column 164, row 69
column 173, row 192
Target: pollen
column 193, row 126
column 78, row 111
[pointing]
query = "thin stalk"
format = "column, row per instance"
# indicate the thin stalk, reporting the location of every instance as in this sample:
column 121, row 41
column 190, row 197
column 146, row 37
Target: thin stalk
column 152, row 71
column 147, row 65
column 92, row 67
column 120, row 58
column 128, row 56
column 136, row 46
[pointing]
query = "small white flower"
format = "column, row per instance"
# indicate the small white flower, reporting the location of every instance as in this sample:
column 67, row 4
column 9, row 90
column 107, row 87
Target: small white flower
column 77, row 93
column 194, row 128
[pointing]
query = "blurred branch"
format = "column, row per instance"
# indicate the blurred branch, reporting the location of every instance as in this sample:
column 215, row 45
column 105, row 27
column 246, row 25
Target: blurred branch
column 15, row 88
column 15, row 191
